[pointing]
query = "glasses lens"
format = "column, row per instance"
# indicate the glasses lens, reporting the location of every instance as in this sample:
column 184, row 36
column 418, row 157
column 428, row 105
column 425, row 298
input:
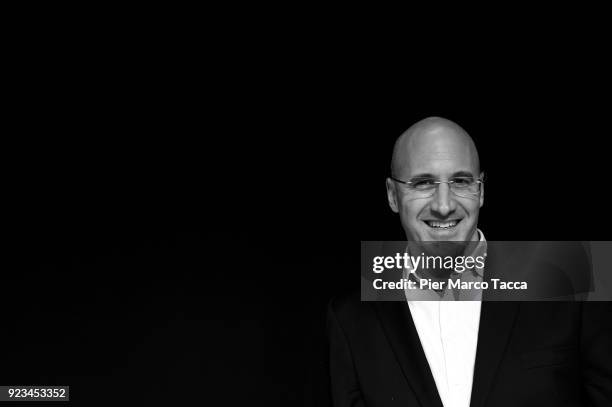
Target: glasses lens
column 423, row 184
column 465, row 186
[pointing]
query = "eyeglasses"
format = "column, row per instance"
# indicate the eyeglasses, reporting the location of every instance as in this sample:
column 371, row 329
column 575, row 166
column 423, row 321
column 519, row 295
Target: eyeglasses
column 425, row 187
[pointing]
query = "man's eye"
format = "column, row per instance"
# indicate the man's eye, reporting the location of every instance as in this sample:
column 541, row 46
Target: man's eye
column 462, row 182
column 423, row 183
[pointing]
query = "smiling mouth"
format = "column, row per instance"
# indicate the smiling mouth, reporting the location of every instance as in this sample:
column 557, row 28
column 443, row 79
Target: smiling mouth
column 442, row 225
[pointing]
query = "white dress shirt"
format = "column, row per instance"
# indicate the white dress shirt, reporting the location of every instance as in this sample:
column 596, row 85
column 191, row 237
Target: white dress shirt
column 448, row 331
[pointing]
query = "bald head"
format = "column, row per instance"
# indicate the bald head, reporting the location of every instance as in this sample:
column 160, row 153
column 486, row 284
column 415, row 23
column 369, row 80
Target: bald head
column 433, row 137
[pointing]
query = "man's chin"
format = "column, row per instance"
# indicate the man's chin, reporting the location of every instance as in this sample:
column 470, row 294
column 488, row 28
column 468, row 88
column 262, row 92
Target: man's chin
column 426, row 233
column 433, row 241
column 440, row 247
column 444, row 235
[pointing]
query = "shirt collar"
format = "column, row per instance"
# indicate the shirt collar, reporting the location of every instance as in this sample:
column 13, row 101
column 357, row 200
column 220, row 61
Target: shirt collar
column 422, row 295
column 479, row 250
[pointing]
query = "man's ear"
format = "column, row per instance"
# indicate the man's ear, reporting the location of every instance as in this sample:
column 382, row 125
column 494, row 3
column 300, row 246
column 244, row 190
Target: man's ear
column 481, row 190
column 392, row 196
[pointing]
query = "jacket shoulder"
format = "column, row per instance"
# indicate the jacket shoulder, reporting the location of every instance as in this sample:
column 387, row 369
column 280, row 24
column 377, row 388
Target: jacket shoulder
column 349, row 308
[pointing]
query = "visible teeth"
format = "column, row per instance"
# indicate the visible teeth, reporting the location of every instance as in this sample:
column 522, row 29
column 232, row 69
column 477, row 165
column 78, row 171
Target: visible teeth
column 449, row 224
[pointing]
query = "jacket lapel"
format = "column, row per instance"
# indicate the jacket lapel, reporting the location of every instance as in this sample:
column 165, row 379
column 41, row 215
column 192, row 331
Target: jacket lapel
column 496, row 323
column 497, row 319
column 404, row 340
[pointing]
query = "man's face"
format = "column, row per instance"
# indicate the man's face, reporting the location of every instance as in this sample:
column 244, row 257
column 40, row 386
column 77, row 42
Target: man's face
column 442, row 155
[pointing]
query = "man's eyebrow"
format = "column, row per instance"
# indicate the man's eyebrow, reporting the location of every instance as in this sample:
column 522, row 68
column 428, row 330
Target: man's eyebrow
column 455, row 174
column 463, row 174
column 426, row 175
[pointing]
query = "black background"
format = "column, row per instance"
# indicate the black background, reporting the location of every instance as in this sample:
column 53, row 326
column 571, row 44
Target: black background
column 177, row 224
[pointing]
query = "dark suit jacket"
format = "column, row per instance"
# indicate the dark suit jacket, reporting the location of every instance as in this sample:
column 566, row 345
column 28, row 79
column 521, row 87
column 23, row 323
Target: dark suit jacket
column 528, row 354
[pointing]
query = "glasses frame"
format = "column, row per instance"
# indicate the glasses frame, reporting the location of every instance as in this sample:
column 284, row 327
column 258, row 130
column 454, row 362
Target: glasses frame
column 449, row 182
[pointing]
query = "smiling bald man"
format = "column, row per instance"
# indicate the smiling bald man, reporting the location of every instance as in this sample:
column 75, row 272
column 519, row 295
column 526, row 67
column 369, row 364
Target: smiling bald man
column 430, row 151
column 461, row 353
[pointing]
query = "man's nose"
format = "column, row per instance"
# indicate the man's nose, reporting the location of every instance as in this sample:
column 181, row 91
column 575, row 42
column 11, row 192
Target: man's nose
column 443, row 201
